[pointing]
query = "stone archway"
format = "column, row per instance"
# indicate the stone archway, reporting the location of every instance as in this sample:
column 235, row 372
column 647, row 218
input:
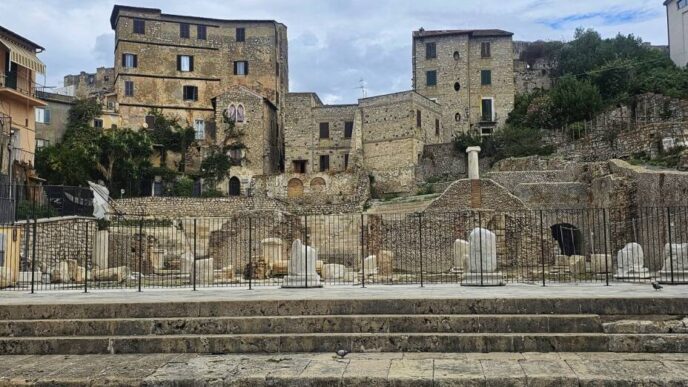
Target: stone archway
column 234, row 186
column 294, row 188
column 318, row 184
column 569, row 238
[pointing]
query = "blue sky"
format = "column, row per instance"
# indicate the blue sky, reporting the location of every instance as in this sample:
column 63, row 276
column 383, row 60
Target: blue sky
column 332, row 44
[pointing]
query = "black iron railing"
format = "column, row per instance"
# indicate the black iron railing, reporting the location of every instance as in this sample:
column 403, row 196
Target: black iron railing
column 470, row 248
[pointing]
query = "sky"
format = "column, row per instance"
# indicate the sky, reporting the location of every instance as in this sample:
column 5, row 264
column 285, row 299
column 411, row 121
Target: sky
column 333, row 44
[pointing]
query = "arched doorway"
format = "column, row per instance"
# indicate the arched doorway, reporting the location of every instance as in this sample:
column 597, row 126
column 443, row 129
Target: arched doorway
column 569, row 237
column 234, row 186
column 294, row 188
column 318, row 184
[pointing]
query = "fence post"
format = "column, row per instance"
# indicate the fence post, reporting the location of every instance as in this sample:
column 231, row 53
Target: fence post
column 250, row 253
column 420, row 245
column 480, row 240
column 193, row 269
column 305, row 238
column 33, row 254
column 606, row 250
column 86, row 261
column 542, row 248
column 362, row 250
column 140, row 251
column 671, row 248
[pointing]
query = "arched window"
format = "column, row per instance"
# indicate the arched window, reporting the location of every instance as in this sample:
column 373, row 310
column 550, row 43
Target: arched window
column 240, row 114
column 234, row 186
column 294, row 188
column 232, row 113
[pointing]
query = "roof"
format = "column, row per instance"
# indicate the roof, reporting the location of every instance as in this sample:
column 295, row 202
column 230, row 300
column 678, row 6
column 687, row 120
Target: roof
column 472, row 33
column 22, row 39
column 117, row 8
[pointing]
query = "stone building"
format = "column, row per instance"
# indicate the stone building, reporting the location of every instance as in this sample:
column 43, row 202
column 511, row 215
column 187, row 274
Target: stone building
column 18, row 67
column 382, row 135
column 87, row 84
column 531, row 72
column 179, row 63
column 470, row 73
column 51, row 120
column 677, row 21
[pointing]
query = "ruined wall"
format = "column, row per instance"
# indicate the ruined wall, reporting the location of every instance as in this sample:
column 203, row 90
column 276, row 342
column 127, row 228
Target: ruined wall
column 178, row 207
column 493, row 197
column 442, row 162
column 59, row 239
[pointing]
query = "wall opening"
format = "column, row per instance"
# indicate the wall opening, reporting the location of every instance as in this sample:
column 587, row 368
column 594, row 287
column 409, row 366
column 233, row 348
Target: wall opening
column 234, row 186
column 294, row 188
column 569, row 237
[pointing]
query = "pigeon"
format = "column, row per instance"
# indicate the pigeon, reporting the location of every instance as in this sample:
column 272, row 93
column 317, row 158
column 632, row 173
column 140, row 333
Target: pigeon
column 342, row 352
column 657, row 286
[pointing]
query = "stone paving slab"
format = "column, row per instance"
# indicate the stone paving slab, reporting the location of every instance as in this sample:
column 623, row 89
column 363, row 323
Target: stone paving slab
column 370, row 370
column 380, row 292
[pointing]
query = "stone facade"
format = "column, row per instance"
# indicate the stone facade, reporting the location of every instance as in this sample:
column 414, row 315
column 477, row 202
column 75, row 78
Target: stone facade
column 531, row 73
column 53, row 123
column 258, row 133
column 87, row 84
column 473, row 72
column 157, row 77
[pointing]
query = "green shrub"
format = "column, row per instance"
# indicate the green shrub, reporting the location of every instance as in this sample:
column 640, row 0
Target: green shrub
column 27, row 210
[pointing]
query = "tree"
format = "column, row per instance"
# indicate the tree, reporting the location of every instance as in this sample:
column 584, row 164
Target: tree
column 573, row 100
column 123, row 148
column 169, row 135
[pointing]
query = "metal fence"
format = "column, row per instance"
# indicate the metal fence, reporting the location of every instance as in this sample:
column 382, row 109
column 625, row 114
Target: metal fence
column 23, row 202
column 470, row 248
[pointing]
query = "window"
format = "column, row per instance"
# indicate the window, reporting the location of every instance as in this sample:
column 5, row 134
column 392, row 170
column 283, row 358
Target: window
column 241, row 34
column 199, row 129
column 98, row 123
column 236, row 113
column 430, row 50
column 457, row 117
column 457, row 56
column 418, row 119
column 457, row 86
column 486, row 131
column 190, row 93
column 299, row 167
column 486, row 77
column 431, row 78
column 682, row 4
column 43, row 115
column 201, row 32
column 41, row 143
column 346, row 161
column 437, row 127
column 241, row 114
column 324, row 130
column 348, row 129
column 150, row 121
column 184, row 30
column 185, row 63
column 130, row 60
column 139, row 26
column 241, row 67
column 107, row 78
column 487, row 115
column 129, row 88
column 485, row 50
column 324, row 163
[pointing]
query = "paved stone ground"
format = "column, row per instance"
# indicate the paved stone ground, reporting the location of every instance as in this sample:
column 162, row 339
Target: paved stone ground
column 370, row 370
column 345, row 293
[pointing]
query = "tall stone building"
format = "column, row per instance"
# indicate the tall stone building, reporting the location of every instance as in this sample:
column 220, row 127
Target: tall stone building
column 178, row 64
column 470, row 73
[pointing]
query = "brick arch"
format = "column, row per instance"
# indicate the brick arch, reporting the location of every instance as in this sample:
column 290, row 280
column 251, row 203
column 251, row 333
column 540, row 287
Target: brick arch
column 294, row 188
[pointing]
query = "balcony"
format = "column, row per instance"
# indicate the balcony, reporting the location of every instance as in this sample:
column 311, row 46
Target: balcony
column 11, row 89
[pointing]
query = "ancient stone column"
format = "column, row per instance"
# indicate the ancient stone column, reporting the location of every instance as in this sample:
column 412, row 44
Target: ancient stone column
column 302, row 267
column 482, row 263
column 473, row 163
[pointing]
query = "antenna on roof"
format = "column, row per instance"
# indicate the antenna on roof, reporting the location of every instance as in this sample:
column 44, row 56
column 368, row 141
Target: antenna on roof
column 364, row 92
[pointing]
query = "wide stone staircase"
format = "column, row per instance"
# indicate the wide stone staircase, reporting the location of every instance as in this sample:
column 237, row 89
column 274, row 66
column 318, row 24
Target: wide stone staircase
column 363, row 325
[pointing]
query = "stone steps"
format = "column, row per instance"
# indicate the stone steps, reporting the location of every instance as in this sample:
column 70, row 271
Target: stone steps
column 356, row 342
column 304, row 324
column 161, row 308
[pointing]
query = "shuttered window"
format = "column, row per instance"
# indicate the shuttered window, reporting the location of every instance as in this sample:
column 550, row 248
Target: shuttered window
column 185, row 63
